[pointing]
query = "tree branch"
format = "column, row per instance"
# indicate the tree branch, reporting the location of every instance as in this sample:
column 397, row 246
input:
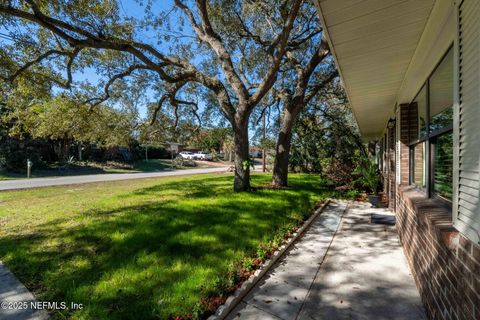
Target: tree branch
column 316, row 88
column 140, row 50
column 90, row 40
column 40, row 58
column 110, row 82
column 74, row 54
column 207, row 35
column 249, row 34
column 270, row 77
column 169, row 95
column 320, row 54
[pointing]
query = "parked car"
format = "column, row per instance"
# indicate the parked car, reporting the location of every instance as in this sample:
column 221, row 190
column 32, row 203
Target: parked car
column 201, row 155
column 255, row 154
column 187, row 155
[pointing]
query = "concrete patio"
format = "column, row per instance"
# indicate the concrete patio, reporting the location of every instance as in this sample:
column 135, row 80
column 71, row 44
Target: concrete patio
column 344, row 267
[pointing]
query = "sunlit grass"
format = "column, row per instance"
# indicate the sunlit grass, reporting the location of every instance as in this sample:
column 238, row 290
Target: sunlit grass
column 142, row 249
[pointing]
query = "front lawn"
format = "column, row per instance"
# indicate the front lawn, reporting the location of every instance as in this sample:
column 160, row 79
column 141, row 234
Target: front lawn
column 142, row 249
column 89, row 167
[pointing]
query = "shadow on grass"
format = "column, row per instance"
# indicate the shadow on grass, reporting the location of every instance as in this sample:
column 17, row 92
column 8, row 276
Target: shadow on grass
column 89, row 168
column 152, row 165
column 157, row 257
column 54, row 172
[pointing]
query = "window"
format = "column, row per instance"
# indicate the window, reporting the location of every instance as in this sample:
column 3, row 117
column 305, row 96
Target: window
column 443, row 165
column 431, row 155
column 441, row 94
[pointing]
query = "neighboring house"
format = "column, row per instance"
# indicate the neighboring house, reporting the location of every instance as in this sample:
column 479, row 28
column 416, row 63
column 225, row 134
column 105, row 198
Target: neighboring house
column 411, row 70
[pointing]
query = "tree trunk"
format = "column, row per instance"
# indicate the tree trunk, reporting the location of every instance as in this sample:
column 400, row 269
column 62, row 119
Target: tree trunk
column 61, row 150
column 242, row 172
column 80, row 158
column 264, row 154
column 282, row 149
column 280, row 167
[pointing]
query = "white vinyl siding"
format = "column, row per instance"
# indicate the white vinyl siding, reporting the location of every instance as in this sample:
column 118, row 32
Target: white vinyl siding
column 467, row 197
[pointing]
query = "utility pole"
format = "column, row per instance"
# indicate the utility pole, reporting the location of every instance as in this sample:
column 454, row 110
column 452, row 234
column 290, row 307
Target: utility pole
column 146, row 152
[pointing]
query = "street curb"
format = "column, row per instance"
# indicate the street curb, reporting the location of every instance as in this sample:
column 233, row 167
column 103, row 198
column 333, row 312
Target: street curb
column 224, row 310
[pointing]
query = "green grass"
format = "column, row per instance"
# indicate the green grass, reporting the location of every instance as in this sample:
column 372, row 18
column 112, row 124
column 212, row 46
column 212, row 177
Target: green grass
column 142, row 249
column 5, row 177
column 85, row 168
column 151, row 165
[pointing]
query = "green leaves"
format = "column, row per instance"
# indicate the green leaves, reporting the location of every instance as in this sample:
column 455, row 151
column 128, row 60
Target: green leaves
column 212, row 139
column 368, row 174
column 66, row 118
column 247, row 164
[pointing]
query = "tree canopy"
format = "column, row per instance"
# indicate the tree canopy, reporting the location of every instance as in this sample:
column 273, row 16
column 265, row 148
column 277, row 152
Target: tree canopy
column 242, row 46
column 189, row 61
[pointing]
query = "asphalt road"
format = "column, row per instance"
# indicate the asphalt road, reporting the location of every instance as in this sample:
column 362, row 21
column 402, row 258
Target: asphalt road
column 59, row 181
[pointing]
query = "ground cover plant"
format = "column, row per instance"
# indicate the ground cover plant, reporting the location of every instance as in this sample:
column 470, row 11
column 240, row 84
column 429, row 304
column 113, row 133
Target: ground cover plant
column 148, row 248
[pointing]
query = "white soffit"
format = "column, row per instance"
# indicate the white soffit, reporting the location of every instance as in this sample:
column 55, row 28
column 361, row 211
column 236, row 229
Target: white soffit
column 373, row 42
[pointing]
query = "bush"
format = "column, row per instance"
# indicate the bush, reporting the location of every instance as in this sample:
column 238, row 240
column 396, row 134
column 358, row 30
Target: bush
column 154, row 152
column 180, row 162
column 338, row 172
column 14, row 154
column 368, row 175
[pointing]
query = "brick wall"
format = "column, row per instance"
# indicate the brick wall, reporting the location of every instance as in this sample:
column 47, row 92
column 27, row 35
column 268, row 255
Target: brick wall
column 408, row 132
column 419, row 174
column 445, row 265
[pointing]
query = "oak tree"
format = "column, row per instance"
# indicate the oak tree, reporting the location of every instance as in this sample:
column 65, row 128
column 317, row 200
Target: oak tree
column 75, row 34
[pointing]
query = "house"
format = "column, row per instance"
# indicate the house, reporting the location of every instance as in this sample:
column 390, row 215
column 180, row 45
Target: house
column 411, row 70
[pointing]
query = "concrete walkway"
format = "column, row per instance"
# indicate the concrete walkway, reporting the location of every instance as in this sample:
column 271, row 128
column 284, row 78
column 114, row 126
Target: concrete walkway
column 362, row 276
column 12, row 292
column 46, row 182
column 280, row 294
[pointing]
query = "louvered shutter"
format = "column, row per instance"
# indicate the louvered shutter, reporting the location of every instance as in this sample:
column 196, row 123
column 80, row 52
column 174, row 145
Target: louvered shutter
column 467, row 218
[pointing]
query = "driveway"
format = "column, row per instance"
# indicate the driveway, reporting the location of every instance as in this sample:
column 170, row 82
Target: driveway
column 47, row 182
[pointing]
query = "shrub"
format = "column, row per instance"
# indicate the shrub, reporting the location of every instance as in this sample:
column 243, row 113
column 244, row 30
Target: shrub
column 368, row 175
